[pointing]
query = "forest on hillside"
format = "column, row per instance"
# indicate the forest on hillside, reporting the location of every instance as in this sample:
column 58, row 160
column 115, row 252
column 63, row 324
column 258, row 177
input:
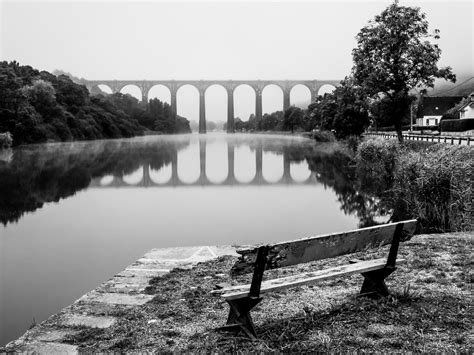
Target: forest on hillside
column 37, row 106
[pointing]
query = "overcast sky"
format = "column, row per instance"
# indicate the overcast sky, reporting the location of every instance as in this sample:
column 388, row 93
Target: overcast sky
column 213, row 40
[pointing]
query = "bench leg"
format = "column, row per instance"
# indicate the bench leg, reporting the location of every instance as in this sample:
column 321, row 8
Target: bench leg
column 374, row 283
column 239, row 316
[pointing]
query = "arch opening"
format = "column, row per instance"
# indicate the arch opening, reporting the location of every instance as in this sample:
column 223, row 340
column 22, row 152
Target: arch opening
column 160, row 92
column 272, row 99
column 132, row 90
column 216, row 161
column 244, row 102
column 187, row 98
column 216, row 107
column 300, row 96
column 105, row 88
column 244, row 164
column 106, row 180
column 189, row 163
column 326, row 89
column 161, row 176
column 135, row 177
column 272, row 167
column 299, row 171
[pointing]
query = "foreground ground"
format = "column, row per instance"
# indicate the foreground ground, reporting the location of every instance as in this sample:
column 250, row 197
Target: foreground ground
column 429, row 309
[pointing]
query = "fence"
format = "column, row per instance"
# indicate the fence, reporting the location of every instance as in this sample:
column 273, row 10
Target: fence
column 465, row 140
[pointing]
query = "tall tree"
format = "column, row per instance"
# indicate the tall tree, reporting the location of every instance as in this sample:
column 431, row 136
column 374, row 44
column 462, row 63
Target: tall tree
column 293, row 118
column 394, row 55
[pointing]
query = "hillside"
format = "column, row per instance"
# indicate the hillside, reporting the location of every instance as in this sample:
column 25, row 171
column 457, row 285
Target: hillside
column 463, row 87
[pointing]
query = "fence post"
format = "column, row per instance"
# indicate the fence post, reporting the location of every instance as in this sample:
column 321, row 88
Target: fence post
column 445, row 139
column 460, row 139
column 468, row 140
column 452, row 140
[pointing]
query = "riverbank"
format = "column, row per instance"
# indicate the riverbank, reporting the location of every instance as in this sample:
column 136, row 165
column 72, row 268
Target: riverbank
column 428, row 310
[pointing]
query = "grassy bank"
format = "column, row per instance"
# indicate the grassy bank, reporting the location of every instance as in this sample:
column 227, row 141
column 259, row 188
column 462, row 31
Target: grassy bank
column 427, row 312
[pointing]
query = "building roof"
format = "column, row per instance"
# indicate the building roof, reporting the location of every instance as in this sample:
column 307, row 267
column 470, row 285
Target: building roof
column 468, row 102
column 436, row 105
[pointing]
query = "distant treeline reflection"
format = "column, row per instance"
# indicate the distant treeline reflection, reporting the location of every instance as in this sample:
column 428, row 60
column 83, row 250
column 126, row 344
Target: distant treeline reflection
column 45, row 173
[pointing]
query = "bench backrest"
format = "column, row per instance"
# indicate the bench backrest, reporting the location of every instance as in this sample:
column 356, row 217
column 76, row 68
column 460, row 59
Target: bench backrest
column 321, row 247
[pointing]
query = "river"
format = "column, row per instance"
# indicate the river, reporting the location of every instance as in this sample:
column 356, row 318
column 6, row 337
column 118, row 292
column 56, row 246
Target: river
column 74, row 214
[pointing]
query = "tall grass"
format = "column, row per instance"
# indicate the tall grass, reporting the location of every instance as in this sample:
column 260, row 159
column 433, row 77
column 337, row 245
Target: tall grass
column 375, row 162
column 435, row 185
column 430, row 182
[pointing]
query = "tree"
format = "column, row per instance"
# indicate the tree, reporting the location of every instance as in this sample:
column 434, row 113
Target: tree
column 344, row 111
column 41, row 95
column 293, row 118
column 394, row 55
column 352, row 116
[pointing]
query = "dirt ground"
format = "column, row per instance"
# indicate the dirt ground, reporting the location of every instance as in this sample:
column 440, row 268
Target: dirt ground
column 429, row 309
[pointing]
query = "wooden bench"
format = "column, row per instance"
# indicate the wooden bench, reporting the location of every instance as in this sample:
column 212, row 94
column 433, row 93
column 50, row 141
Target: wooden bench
column 242, row 298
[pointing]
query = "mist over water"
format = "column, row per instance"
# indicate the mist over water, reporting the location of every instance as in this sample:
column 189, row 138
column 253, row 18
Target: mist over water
column 75, row 214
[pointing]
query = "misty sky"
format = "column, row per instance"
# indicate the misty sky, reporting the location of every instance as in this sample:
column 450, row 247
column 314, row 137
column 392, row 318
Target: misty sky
column 213, row 40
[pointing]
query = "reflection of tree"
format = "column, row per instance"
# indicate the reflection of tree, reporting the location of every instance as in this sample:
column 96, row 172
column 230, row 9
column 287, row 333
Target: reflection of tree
column 333, row 167
column 47, row 173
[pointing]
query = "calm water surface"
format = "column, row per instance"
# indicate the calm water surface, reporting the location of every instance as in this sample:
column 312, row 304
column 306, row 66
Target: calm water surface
column 75, row 214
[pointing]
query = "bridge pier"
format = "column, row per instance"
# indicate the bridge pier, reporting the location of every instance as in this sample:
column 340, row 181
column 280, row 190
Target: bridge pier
column 202, row 111
column 258, row 165
column 202, row 162
column 286, row 168
column 146, row 180
column 174, row 104
column 145, row 100
column 258, row 105
column 174, row 168
column 286, row 100
column 230, row 111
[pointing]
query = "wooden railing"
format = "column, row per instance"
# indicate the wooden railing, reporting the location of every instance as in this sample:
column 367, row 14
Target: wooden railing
column 464, row 140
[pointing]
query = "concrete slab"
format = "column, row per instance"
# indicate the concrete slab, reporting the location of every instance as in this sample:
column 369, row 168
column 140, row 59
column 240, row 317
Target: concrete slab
column 38, row 347
column 116, row 298
column 55, row 335
column 88, row 321
column 141, row 273
column 171, row 253
column 224, row 250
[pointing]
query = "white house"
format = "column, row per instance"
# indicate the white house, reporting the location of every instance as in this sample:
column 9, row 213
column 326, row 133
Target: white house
column 432, row 108
column 467, row 110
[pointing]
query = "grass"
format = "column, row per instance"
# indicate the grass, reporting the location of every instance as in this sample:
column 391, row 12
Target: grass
column 431, row 182
column 428, row 311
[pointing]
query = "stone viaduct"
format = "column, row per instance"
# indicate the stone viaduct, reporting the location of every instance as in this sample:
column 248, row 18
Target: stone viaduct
column 202, row 85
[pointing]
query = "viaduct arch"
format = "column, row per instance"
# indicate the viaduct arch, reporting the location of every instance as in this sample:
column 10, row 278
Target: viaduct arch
column 228, row 85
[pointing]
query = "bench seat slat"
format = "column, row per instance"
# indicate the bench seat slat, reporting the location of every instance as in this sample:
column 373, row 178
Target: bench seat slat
column 241, row 291
column 322, row 247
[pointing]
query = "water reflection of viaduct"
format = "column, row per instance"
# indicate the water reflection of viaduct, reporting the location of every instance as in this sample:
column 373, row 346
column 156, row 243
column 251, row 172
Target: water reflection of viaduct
column 202, row 85
column 203, row 180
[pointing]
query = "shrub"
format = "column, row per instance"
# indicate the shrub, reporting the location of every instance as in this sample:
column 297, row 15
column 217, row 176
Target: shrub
column 457, row 125
column 434, row 186
column 323, row 136
column 6, row 140
column 352, row 142
column 375, row 162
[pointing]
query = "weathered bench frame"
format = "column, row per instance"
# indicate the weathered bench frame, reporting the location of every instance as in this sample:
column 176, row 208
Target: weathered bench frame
column 243, row 298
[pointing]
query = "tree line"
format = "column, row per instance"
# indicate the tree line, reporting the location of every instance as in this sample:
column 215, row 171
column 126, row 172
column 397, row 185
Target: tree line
column 37, row 106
